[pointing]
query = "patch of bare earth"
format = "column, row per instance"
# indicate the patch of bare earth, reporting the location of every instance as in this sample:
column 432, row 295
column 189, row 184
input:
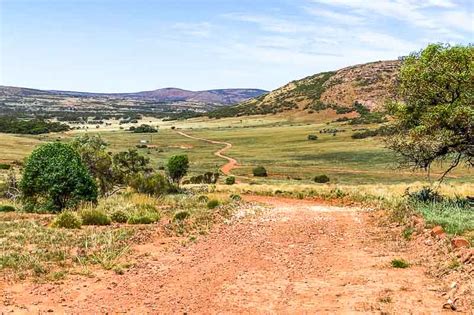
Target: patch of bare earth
column 296, row 257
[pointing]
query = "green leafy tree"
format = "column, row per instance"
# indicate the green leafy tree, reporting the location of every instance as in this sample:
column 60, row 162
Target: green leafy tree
column 55, row 178
column 94, row 155
column 434, row 112
column 129, row 163
column 177, row 166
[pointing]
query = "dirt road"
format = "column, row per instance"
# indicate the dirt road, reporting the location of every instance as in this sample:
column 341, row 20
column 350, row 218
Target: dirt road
column 297, row 257
column 231, row 162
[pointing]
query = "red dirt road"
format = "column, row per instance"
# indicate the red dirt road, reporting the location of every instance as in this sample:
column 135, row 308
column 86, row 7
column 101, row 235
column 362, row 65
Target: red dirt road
column 296, row 257
column 231, row 162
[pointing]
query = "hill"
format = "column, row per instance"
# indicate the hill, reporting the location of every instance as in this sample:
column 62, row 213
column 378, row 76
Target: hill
column 369, row 84
column 220, row 96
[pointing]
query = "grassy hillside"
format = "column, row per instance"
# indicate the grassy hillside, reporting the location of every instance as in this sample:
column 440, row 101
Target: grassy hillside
column 368, row 84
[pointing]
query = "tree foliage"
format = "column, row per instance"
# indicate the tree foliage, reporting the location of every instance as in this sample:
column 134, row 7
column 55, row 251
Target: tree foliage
column 94, row 155
column 55, row 178
column 434, row 112
column 177, row 166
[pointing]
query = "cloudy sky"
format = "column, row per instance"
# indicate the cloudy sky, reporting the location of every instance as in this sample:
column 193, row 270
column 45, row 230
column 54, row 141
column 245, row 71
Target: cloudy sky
column 135, row 45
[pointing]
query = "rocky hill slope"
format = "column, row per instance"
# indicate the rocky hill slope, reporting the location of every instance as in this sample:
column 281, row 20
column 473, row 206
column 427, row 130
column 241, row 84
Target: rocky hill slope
column 369, row 84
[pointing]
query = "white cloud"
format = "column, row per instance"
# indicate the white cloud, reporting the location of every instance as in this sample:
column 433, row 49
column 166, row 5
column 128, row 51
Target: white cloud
column 335, row 16
column 193, row 29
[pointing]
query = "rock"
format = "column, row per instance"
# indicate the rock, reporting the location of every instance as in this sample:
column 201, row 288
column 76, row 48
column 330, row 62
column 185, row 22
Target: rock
column 460, row 242
column 466, row 255
column 437, row 231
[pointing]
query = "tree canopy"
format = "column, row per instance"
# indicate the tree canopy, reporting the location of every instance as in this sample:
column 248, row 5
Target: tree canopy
column 434, row 112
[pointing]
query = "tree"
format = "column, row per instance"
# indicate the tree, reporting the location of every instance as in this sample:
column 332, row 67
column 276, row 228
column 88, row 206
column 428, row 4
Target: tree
column 128, row 163
column 434, row 113
column 98, row 161
column 55, row 178
column 177, row 167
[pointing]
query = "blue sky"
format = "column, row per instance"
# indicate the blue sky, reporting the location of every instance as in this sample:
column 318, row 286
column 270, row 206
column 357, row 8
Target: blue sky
column 135, row 45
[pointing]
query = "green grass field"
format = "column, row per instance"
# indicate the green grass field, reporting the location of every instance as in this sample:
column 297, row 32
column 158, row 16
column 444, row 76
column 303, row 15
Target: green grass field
column 281, row 146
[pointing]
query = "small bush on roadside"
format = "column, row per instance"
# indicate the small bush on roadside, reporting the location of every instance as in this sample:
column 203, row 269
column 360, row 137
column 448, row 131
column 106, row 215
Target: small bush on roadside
column 399, row 263
column 260, row 171
column 94, row 217
column 7, row 208
column 67, row 220
column 426, row 194
column 230, row 180
column 119, row 216
column 213, row 203
column 181, row 215
column 321, row 179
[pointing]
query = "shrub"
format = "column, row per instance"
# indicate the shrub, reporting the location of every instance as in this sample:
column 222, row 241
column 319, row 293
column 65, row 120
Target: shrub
column 312, row 137
column 177, row 167
column 260, row 171
column 4, row 166
column 7, row 208
column 67, row 220
column 94, row 217
column 399, row 263
column 143, row 129
column 152, row 184
column 213, row 203
column 321, row 179
column 55, row 177
column 230, row 180
column 206, row 178
column 425, row 194
column 181, row 215
column 119, row 216
column 145, row 214
column 235, row 197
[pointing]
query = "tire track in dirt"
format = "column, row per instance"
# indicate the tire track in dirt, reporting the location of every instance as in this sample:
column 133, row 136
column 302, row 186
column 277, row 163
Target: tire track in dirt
column 231, row 162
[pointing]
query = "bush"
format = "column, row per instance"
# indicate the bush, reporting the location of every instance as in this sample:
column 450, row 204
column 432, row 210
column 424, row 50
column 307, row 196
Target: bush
column 119, row 216
column 67, row 220
column 230, row 180
column 55, row 177
column 213, row 203
column 145, row 214
column 95, row 217
column 144, row 129
column 321, row 179
column 235, row 197
column 426, row 194
column 177, row 167
column 181, row 215
column 7, row 208
column 4, row 166
column 312, row 137
column 260, row 171
column 206, row 178
column 399, row 263
column 152, row 184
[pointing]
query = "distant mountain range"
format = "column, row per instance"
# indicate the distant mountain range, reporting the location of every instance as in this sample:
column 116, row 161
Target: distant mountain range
column 218, row 96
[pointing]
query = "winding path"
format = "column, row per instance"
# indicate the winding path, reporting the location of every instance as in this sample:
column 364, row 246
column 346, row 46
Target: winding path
column 231, row 162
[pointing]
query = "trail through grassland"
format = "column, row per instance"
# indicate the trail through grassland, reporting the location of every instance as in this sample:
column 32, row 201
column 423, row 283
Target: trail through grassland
column 231, row 162
column 296, row 257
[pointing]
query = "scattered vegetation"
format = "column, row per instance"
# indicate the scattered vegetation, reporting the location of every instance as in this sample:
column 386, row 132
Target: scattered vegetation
column 213, row 203
column 312, row 137
column 7, row 208
column 144, row 128
column 230, row 180
column 94, row 217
